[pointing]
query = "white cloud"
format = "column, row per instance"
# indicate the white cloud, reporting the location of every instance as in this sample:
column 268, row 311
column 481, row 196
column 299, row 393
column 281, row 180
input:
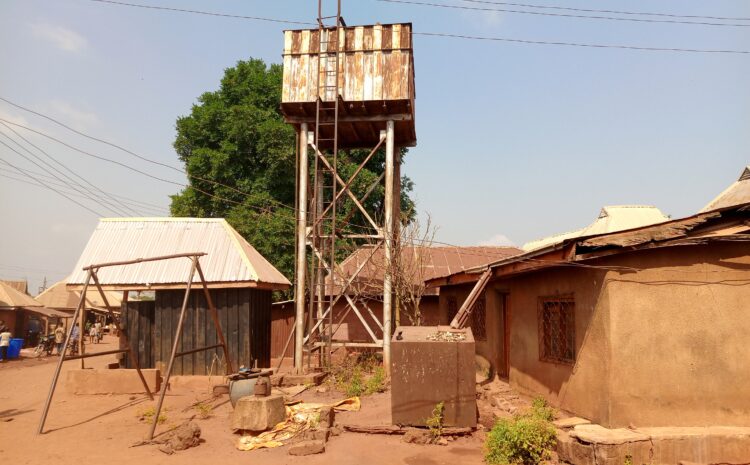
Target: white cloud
column 79, row 119
column 498, row 240
column 62, row 38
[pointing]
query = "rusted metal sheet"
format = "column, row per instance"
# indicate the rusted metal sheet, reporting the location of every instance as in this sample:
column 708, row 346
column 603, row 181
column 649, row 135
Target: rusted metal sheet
column 425, row 373
column 229, row 259
column 662, row 232
column 376, row 63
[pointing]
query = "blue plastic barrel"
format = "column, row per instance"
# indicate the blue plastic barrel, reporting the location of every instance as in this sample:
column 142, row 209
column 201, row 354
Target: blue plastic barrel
column 14, row 349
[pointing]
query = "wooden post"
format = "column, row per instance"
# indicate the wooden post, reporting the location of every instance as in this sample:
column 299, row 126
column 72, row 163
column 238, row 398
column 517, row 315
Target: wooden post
column 215, row 316
column 175, row 345
column 123, row 335
column 61, row 355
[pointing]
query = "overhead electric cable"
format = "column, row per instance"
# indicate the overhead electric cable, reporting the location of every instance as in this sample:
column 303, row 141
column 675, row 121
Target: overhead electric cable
column 207, row 13
column 47, row 186
column 114, row 204
column 580, row 44
column 618, row 12
column 467, row 36
column 562, row 15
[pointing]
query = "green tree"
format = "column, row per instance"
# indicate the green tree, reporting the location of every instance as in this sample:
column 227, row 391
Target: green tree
column 240, row 159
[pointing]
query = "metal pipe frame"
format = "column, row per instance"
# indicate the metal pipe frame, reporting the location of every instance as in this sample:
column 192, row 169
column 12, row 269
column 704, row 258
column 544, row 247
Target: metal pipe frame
column 301, row 265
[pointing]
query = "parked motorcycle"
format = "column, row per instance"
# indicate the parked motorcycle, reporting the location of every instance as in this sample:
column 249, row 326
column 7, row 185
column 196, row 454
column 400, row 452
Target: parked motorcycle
column 45, row 345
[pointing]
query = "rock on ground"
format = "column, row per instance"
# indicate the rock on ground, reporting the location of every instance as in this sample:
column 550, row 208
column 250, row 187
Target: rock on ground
column 184, row 437
column 307, row 447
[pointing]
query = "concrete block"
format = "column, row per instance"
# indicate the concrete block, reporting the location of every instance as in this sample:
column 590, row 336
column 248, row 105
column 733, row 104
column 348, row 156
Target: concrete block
column 571, row 422
column 304, row 379
column 197, row 383
column 121, row 381
column 258, row 413
column 600, row 435
column 307, row 448
column 327, row 417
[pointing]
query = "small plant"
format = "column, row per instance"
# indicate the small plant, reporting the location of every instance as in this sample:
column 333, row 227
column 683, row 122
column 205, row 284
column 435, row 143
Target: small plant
column 355, row 386
column 376, row 383
column 435, row 422
column 527, row 438
column 204, row 410
column 628, row 460
column 149, row 414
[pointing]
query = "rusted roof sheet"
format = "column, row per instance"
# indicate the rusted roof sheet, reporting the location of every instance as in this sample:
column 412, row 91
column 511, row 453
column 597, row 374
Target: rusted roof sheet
column 21, row 285
column 60, row 297
column 611, row 219
column 11, row 298
column 736, row 194
column 48, row 312
column 230, row 260
column 422, row 264
column 660, row 232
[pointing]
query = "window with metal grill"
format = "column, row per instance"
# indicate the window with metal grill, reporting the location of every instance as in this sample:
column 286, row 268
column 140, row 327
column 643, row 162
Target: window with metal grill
column 557, row 335
column 478, row 319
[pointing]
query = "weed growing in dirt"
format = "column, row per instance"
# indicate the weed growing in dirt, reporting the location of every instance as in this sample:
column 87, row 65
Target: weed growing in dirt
column 435, row 422
column 376, row 383
column 628, row 460
column 527, row 438
column 204, row 410
column 357, row 375
column 148, row 415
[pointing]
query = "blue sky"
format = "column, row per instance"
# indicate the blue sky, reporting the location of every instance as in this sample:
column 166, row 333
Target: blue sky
column 516, row 141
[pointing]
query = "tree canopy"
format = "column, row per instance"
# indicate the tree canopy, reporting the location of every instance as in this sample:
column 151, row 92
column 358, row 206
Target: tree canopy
column 240, row 159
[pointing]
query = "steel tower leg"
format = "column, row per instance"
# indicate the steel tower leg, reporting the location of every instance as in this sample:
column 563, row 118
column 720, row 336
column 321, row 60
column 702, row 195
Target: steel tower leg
column 388, row 233
column 301, row 265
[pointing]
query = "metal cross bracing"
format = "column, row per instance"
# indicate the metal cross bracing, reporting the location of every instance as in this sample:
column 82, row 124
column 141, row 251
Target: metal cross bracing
column 327, row 205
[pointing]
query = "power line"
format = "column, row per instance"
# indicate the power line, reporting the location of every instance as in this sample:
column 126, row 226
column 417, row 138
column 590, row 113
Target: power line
column 47, row 186
column 563, row 15
column 131, row 201
column 580, row 44
column 619, row 12
column 75, row 184
column 8, row 174
column 206, row 13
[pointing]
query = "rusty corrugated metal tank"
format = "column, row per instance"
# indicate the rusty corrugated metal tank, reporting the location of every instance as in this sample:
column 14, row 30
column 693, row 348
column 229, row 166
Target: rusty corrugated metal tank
column 425, row 372
column 375, row 80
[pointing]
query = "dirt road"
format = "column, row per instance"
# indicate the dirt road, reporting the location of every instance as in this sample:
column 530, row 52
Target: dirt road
column 102, row 429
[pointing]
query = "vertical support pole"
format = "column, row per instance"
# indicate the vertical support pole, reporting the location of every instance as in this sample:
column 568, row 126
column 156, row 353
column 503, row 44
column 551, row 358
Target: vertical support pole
column 123, row 335
column 175, row 345
column 301, row 265
column 61, row 356
column 215, row 318
column 388, row 233
column 82, row 329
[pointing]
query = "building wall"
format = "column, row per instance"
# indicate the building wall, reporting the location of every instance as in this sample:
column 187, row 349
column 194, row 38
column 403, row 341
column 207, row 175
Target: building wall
column 680, row 337
column 661, row 344
column 245, row 318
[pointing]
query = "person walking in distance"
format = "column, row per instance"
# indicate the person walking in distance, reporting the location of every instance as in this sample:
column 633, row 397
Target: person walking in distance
column 4, row 342
column 59, row 338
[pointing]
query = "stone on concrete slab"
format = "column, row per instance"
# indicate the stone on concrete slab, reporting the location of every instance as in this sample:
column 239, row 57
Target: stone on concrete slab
column 601, row 435
column 305, row 379
column 570, row 422
column 120, row 381
column 307, row 447
column 258, row 413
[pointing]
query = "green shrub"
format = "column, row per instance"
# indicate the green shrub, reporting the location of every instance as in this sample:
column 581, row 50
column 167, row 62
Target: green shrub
column 355, row 386
column 376, row 383
column 527, row 438
column 435, row 422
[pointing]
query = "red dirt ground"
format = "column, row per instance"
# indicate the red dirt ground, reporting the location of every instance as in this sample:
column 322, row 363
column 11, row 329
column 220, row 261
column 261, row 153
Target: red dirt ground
column 102, row 429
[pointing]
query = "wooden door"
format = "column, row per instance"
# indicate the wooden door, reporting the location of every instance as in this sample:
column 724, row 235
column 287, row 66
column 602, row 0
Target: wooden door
column 506, row 335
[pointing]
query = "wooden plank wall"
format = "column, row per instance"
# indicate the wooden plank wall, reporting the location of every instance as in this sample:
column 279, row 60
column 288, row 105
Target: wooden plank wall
column 282, row 322
column 245, row 316
column 138, row 320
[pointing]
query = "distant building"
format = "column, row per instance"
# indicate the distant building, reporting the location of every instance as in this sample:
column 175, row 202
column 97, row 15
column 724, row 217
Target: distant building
column 736, row 194
column 240, row 279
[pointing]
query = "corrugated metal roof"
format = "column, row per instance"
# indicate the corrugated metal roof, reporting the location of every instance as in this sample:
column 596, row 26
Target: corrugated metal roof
column 737, row 193
column 11, row 298
column 21, row 285
column 58, row 296
column 611, row 219
column 230, row 259
column 422, row 264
